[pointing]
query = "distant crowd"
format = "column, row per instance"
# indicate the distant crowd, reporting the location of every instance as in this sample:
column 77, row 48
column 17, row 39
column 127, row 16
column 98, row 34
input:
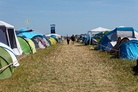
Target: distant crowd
column 72, row 38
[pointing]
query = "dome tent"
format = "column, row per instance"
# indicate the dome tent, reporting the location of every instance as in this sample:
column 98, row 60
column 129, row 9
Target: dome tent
column 57, row 37
column 27, row 33
column 27, row 45
column 52, row 41
column 11, row 52
column 6, row 67
column 35, row 37
column 128, row 50
column 32, row 45
column 113, row 35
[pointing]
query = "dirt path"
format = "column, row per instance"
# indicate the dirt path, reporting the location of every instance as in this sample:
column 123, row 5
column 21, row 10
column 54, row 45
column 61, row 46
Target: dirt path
column 78, row 69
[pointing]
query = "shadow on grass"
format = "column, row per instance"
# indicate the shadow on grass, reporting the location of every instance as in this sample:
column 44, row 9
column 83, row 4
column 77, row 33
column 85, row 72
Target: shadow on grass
column 80, row 45
column 135, row 70
column 114, row 56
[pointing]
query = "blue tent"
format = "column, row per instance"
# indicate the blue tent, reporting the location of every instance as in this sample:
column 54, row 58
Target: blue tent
column 129, row 50
column 114, row 34
column 27, row 33
column 90, row 40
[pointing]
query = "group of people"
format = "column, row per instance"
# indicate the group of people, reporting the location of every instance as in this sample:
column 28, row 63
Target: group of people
column 72, row 38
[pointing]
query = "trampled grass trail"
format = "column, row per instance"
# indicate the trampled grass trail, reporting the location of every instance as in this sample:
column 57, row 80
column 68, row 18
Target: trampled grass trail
column 79, row 69
column 69, row 68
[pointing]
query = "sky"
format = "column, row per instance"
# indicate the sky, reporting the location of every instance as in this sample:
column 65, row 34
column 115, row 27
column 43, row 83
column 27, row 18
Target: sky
column 69, row 16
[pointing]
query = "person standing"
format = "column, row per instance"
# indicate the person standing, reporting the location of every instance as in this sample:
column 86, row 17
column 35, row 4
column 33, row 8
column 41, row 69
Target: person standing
column 73, row 39
column 68, row 39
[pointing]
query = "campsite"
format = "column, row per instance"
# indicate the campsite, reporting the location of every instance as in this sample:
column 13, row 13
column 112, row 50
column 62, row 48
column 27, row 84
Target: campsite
column 71, row 68
column 68, row 46
column 36, row 62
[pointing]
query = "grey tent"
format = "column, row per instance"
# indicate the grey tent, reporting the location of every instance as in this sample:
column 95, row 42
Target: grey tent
column 8, row 37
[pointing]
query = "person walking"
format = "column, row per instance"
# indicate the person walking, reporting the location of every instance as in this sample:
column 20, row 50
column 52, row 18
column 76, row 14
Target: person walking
column 68, row 39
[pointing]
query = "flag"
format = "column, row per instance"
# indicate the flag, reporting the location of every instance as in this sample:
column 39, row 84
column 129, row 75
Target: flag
column 27, row 21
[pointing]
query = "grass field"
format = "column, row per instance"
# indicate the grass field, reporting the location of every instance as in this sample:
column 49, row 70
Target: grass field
column 41, row 72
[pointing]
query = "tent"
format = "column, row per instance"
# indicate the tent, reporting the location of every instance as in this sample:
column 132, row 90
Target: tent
column 32, row 45
column 35, row 37
column 6, row 67
column 57, row 37
column 8, row 37
column 47, row 42
column 41, row 40
column 27, row 45
column 52, row 41
column 46, row 39
column 27, row 33
column 117, row 32
column 90, row 41
column 110, row 45
column 36, row 43
column 11, row 52
column 39, row 43
column 99, row 29
column 129, row 50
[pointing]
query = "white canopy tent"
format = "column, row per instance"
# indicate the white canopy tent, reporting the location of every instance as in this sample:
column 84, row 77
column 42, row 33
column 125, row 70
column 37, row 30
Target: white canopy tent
column 99, row 29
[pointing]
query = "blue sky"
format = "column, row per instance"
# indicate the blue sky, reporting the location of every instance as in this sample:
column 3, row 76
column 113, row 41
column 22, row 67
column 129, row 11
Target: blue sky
column 70, row 16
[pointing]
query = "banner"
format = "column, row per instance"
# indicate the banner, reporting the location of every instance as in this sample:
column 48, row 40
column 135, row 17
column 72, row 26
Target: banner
column 52, row 28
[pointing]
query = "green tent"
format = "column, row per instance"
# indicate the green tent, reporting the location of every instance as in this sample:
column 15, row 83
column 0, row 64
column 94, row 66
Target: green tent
column 32, row 45
column 53, row 41
column 6, row 64
column 24, row 45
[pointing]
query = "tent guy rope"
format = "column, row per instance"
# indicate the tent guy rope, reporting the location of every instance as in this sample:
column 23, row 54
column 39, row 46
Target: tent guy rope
column 3, row 68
